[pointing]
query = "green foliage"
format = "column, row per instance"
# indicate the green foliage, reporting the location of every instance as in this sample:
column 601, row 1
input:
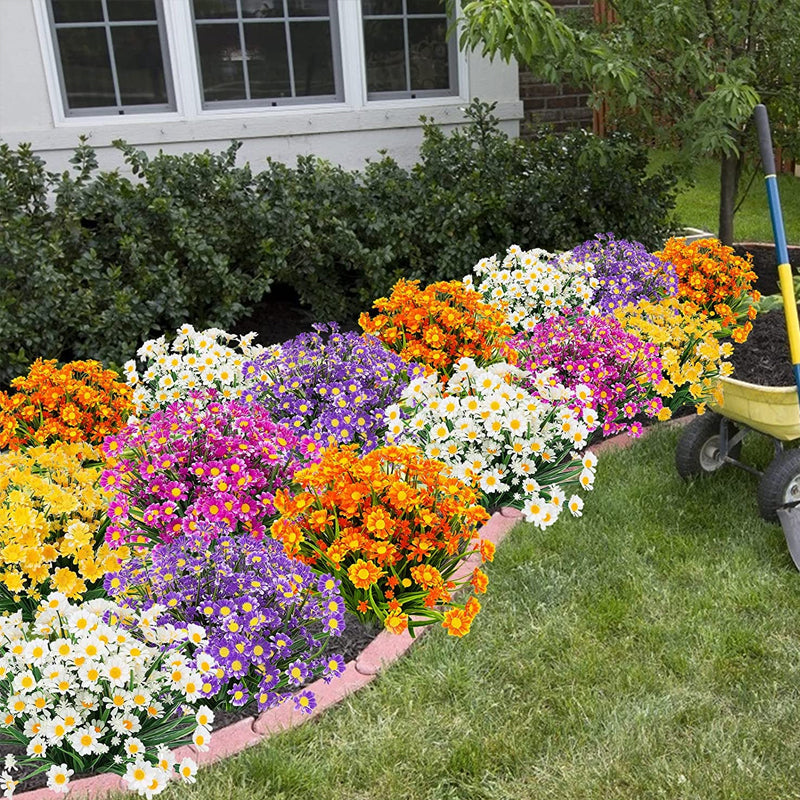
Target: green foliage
column 93, row 262
column 673, row 71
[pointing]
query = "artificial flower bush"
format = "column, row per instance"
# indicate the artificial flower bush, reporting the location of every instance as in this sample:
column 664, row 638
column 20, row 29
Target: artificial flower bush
column 519, row 447
column 208, row 359
column 439, row 324
column 80, row 401
column 332, row 386
column 596, row 351
column 714, row 278
column 625, row 272
column 192, row 463
column 692, row 357
column 268, row 617
column 52, row 520
column 90, row 688
column 393, row 528
column 532, row 285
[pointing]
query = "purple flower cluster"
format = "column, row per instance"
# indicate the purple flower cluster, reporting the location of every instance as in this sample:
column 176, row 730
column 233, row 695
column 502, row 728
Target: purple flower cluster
column 626, row 272
column 596, row 352
column 268, row 617
column 189, row 464
column 334, row 386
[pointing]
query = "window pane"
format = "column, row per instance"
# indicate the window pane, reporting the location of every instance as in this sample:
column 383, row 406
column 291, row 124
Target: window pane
column 140, row 70
column 77, row 11
column 428, row 52
column 215, row 9
column 86, row 67
column 267, row 63
column 426, row 7
column 262, row 8
column 221, row 62
column 386, row 57
column 312, row 59
column 136, row 10
column 369, row 7
column 309, row 8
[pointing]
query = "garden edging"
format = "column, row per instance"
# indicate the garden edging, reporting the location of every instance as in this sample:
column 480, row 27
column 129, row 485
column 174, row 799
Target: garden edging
column 383, row 651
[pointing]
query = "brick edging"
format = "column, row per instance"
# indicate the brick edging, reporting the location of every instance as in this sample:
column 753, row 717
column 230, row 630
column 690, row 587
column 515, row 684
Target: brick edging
column 383, row 651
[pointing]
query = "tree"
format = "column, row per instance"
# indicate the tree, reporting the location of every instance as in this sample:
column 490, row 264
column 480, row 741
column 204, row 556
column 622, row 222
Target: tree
column 681, row 72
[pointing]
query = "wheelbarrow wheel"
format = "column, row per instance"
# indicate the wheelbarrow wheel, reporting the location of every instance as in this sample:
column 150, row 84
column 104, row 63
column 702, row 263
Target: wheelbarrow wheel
column 780, row 484
column 698, row 452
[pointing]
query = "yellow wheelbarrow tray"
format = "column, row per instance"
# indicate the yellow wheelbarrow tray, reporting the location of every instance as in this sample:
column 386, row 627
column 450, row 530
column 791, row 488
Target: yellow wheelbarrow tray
column 714, row 439
column 771, row 410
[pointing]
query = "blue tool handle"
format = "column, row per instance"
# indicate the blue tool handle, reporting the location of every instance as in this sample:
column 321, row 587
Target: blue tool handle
column 768, row 163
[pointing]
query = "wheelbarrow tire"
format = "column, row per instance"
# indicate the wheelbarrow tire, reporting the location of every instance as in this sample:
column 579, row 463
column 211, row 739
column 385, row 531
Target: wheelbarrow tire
column 697, row 452
column 780, row 484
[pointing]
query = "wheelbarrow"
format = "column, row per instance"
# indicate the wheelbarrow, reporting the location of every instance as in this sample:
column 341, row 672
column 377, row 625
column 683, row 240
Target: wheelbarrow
column 714, row 439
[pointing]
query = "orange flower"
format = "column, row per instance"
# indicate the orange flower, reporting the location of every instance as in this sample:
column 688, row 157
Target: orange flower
column 394, row 521
column 438, row 325
column 487, row 550
column 479, row 581
column 426, row 576
column 457, row 622
column 364, row 574
column 715, row 279
column 79, row 402
column 396, row 622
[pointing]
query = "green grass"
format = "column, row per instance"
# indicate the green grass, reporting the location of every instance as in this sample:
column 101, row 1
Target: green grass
column 698, row 204
column 650, row 649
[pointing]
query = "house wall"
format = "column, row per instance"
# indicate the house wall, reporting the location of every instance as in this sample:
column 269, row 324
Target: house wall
column 562, row 107
column 346, row 133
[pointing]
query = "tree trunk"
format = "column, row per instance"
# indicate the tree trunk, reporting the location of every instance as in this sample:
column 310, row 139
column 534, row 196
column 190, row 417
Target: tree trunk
column 730, row 169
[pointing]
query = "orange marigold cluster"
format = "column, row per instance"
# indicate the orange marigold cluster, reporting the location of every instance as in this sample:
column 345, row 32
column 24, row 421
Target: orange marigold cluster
column 393, row 527
column 715, row 279
column 439, row 324
column 79, row 402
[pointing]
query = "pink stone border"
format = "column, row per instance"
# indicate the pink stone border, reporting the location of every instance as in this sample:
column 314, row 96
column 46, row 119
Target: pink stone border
column 383, row 651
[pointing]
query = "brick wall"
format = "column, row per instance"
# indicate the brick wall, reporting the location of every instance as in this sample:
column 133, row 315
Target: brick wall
column 562, row 107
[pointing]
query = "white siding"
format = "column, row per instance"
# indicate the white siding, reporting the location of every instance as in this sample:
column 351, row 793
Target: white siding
column 30, row 106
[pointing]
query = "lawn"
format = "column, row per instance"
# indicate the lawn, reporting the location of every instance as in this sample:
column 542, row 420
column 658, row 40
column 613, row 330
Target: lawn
column 648, row 649
column 698, row 204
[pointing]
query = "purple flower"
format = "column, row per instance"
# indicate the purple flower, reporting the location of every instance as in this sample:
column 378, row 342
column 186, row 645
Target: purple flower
column 334, row 667
column 626, row 272
column 333, row 386
column 264, row 639
column 305, row 702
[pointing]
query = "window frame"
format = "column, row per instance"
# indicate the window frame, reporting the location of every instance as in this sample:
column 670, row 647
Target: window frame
column 289, row 118
column 285, row 21
column 107, row 25
column 413, row 94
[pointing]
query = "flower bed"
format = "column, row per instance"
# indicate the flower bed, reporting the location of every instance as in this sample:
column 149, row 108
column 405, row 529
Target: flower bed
column 260, row 494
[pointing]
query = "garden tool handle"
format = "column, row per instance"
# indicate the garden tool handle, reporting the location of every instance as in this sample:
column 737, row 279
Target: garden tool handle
column 781, row 250
column 768, row 163
column 764, row 139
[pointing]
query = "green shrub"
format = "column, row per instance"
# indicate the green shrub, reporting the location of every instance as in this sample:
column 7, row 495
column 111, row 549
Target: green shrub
column 92, row 262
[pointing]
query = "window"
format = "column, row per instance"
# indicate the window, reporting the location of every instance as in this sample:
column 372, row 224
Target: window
column 267, row 52
column 407, row 50
column 111, row 56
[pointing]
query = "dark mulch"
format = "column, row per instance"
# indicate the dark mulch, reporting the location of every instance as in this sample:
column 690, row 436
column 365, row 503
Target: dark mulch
column 764, row 358
column 356, row 636
column 765, row 264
